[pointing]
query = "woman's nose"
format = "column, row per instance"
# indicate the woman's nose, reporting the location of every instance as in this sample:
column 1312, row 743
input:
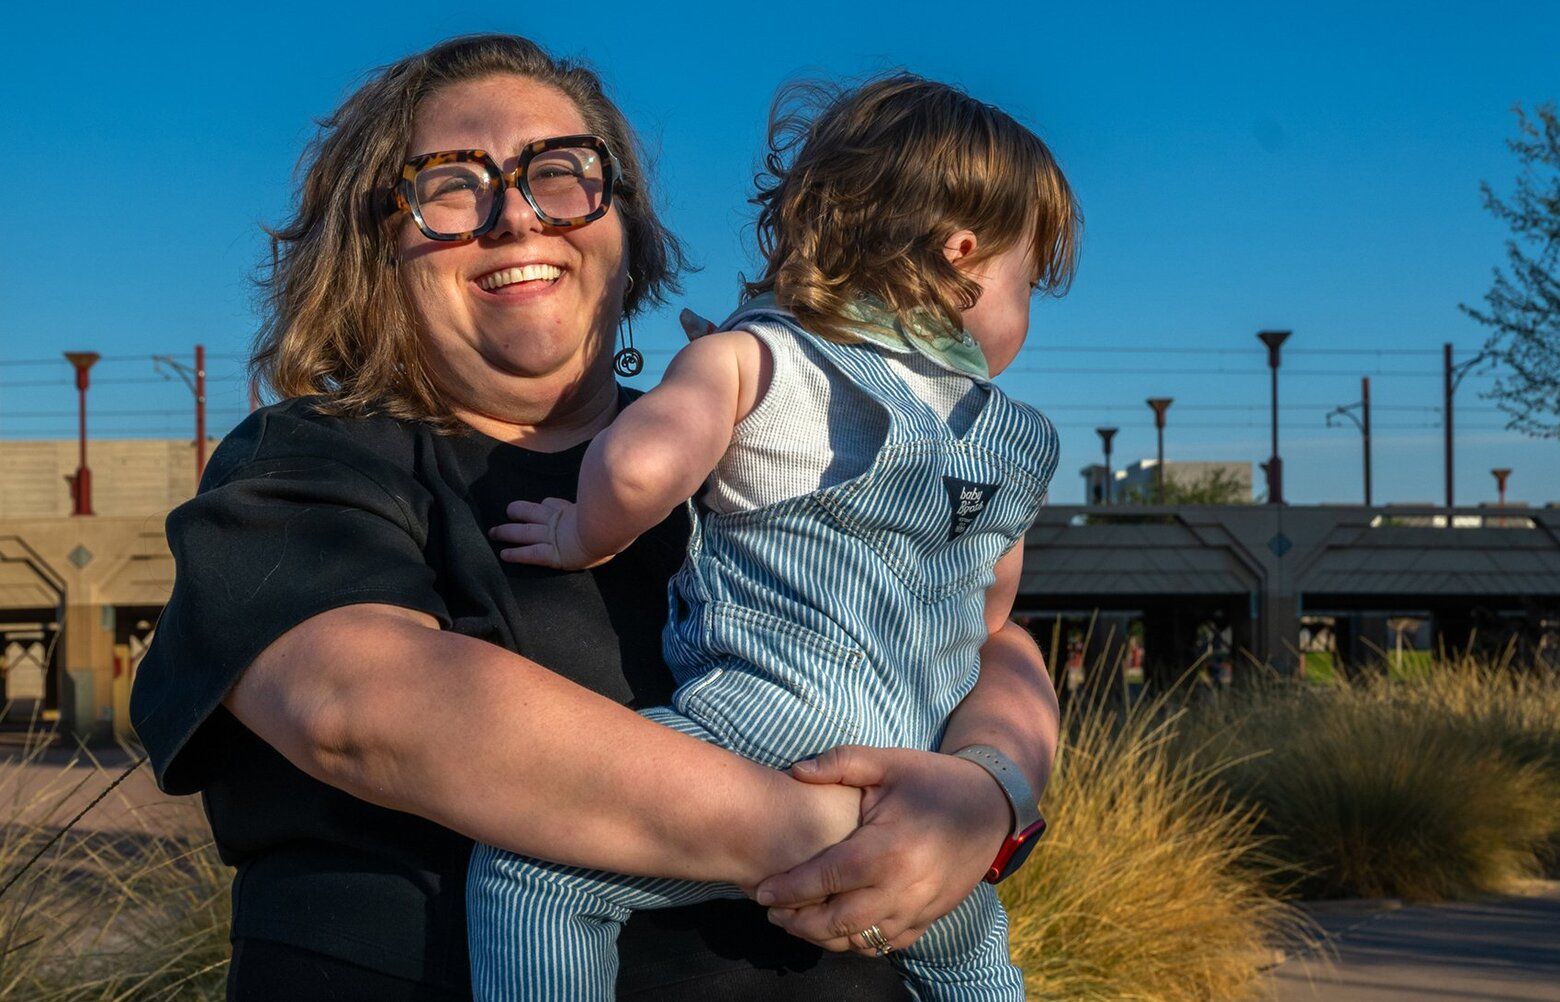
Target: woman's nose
column 515, row 215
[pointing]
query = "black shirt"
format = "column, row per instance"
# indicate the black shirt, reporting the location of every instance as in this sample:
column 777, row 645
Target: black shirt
column 299, row 513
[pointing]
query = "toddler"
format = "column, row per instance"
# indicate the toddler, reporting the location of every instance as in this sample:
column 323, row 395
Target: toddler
column 861, row 496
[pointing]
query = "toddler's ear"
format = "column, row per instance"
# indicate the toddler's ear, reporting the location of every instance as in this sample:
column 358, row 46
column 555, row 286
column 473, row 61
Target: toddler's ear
column 693, row 325
column 960, row 247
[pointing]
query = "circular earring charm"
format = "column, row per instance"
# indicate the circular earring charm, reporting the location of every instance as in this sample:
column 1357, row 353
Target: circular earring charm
column 628, row 362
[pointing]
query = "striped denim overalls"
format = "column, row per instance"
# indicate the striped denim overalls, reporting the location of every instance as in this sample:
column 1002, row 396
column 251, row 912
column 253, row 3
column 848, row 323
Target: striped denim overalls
column 850, row 615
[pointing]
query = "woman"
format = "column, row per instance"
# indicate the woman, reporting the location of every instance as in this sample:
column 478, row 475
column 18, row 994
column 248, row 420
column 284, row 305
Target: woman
column 358, row 687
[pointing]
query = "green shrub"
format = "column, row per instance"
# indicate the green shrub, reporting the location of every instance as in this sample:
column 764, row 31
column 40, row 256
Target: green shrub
column 1430, row 788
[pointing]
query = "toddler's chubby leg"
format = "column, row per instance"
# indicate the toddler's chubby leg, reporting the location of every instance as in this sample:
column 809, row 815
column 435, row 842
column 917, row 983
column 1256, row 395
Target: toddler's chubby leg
column 963, row 957
column 544, row 932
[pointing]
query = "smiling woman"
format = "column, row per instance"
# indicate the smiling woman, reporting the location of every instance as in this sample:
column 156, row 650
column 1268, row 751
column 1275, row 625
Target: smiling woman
column 358, row 686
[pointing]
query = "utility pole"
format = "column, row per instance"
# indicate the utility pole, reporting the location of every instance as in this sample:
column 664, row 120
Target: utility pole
column 1159, row 406
column 1452, row 377
column 1275, row 466
column 1362, row 422
column 1448, row 385
column 1106, row 435
column 195, row 379
column 81, row 486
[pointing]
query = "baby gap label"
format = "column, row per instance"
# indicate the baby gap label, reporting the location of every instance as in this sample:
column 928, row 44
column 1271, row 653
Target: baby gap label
column 966, row 500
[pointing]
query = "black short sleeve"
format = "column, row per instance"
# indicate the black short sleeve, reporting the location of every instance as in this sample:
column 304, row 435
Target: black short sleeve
column 293, row 518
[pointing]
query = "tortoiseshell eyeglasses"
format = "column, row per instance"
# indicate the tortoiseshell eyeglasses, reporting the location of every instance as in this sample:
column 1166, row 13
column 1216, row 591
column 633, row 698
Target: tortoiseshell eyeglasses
column 459, row 194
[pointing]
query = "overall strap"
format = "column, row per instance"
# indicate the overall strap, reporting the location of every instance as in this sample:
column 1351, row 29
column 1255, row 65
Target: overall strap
column 910, row 417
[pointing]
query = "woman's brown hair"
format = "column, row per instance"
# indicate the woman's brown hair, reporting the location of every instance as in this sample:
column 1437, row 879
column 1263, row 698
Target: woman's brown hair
column 336, row 321
column 863, row 187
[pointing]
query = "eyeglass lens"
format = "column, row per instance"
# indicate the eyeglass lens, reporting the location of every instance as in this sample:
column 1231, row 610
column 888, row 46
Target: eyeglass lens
column 458, row 197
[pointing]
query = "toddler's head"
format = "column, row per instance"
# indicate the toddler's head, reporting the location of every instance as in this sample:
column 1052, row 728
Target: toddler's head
column 913, row 193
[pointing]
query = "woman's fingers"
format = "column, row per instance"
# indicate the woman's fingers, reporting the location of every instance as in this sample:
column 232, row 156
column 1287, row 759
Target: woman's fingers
column 844, row 916
column 843, row 867
column 848, row 765
column 856, row 944
column 693, row 325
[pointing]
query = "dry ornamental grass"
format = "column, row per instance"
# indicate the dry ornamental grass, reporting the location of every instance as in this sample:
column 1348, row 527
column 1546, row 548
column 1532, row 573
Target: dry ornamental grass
column 1178, row 829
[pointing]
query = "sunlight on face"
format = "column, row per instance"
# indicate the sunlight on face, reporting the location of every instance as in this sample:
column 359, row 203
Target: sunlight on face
column 521, row 318
column 999, row 320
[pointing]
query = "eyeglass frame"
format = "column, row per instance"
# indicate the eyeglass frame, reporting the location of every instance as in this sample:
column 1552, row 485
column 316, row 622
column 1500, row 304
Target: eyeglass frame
column 401, row 196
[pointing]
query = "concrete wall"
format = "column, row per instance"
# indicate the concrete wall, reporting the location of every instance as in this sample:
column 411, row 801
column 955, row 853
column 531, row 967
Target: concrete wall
column 87, row 587
column 129, row 476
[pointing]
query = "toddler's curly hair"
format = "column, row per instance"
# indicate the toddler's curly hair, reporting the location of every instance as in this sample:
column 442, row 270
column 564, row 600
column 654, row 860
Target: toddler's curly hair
column 862, row 188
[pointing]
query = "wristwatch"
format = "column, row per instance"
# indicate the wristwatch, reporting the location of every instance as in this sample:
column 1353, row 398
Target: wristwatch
column 1028, row 825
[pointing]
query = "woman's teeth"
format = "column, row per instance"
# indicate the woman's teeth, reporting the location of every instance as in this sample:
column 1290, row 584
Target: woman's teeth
column 525, row 273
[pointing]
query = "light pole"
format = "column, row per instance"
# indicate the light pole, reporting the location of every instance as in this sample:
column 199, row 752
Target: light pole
column 1275, row 466
column 195, row 379
column 1159, row 406
column 1361, row 421
column 1106, row 434
column 81, row 487
column 1451, row 378
column 1501, row 474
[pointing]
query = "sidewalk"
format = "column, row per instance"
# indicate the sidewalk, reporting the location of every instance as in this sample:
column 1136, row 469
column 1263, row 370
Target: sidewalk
column 1495, row 950
column 48, row 791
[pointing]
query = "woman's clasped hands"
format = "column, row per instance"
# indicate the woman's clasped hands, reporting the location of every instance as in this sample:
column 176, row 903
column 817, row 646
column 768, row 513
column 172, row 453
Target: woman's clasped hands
column 930, row 826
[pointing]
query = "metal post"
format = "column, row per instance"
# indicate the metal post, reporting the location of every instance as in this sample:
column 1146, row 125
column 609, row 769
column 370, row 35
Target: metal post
column 1106, row 435
column 1365, row 431
column 1501, row 474
column 200, row 411
column 81, row 486
column 1275, row 466
column 1160, row 405
column 1447, row 387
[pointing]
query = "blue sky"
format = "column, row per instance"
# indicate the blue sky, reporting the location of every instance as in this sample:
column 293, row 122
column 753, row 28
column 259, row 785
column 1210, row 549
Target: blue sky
column 1312, row 166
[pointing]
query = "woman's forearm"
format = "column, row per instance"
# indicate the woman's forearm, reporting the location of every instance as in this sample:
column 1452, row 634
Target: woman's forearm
column 1012, row 707
column 379, row 702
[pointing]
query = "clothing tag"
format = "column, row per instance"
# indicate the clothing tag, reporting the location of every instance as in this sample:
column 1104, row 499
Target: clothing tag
column 966, row 500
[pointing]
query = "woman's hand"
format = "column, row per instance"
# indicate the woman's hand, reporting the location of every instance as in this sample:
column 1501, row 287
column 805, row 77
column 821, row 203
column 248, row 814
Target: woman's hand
column 931, row 825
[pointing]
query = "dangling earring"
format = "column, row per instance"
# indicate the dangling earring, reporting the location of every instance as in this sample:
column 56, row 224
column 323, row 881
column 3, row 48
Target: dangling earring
column 628, row 361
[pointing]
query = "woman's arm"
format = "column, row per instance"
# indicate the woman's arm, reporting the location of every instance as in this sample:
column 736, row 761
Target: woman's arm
column 931, row 823
column 380, row 702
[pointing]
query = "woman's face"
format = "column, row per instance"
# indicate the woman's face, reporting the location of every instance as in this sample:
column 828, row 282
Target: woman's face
column 509, row 351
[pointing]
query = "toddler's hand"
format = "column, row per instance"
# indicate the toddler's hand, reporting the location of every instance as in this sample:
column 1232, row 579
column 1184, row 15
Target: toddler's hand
column 545, row 534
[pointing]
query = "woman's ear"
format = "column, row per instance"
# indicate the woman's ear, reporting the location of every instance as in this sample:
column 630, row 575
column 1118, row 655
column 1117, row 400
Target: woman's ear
column 960, row 247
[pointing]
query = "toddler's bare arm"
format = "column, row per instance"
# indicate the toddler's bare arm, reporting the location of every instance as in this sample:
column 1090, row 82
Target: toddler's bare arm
column 1013, row 683
column 651, row 459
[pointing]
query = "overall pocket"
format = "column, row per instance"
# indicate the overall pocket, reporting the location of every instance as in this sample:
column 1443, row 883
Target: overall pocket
column 937, row 513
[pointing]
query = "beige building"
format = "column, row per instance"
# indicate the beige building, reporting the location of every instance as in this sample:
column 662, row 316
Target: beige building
column 80, row 595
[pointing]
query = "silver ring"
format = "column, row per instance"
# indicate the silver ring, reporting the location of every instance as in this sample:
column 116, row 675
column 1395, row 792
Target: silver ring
column 873, row 937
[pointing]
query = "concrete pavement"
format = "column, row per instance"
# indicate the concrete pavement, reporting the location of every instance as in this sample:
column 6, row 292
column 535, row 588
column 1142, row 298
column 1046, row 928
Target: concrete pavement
column 1504, row 949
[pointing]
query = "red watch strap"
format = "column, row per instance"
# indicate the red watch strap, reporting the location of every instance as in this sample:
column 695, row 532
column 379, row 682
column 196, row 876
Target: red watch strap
column 1006, row 863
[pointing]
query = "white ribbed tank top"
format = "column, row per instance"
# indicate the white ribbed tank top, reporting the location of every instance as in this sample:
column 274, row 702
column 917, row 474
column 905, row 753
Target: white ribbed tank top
column 814, row 428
